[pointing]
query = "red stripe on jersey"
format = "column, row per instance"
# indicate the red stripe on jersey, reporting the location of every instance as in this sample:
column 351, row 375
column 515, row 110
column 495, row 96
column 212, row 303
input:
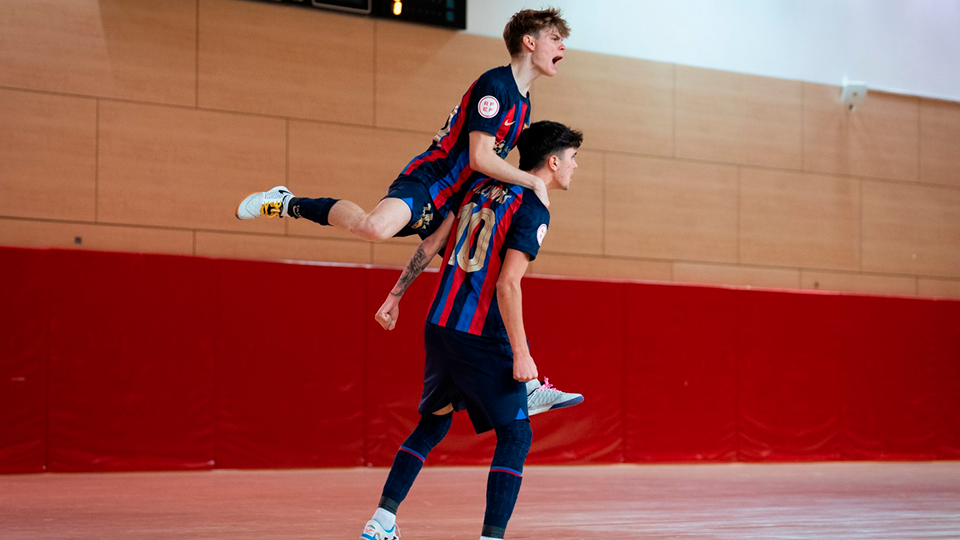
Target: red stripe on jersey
column 505, row 126
column 523, row 114
column 446, row 192
column 458, row 275
column 449, row 139
column 432, row 156
column 493, row 268
column 450, row 300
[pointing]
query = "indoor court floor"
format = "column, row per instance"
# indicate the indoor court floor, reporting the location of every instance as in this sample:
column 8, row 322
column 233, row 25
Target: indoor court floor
column 836, row 501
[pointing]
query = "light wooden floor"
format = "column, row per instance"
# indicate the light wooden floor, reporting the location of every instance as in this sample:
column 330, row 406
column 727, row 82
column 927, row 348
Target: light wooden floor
column 875, row 501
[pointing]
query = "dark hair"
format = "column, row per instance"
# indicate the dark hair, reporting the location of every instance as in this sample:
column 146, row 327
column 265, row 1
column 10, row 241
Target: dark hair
column 544, row 139
column 531, row 22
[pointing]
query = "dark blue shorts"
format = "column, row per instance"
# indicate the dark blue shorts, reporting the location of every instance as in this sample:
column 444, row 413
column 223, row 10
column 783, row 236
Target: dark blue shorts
column 424, row 219
column 473, row 373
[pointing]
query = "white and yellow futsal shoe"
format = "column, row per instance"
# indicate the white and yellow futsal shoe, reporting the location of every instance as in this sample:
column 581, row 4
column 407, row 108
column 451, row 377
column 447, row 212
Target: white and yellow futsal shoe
column 545, row 397
column 373, row 530
column 271, row 203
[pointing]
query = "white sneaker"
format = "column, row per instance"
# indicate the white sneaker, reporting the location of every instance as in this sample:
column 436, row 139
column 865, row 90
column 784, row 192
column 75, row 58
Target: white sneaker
column 271, row 203
column 545, row 397
column 375, row 531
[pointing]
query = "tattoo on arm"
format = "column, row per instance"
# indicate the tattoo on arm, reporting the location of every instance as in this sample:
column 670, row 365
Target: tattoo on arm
column 417, row 263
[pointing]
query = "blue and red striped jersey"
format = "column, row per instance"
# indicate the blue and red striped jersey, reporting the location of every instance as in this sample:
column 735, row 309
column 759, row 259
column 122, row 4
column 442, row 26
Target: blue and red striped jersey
column 493, row 217
column 493, row 104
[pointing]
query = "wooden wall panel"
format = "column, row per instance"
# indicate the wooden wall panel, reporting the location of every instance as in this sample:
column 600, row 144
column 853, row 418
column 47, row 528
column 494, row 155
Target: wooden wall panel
column 742, row 276
column 911, row 229
column 795, row 219
column 273, row 247
column 47, row 234
column 554, row 264
column 47, row 156
column 736, row 118
column 423, row 72
column 396, row 252
column 857, row 283
column 940, row 288
column 620, row 104
column 130, row 49
column 185, row 168
column 940, row 142
column 879, row 138
column 664, row 209
column 346, row 162
column 286, row 61
column 576, row 216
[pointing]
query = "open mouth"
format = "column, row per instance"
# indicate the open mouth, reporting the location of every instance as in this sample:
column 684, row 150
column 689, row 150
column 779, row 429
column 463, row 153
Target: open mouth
column 557, row 59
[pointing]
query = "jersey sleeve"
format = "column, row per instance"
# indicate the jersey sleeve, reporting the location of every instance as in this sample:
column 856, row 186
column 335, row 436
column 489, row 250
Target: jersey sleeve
column 489, row 105
column 528, row 228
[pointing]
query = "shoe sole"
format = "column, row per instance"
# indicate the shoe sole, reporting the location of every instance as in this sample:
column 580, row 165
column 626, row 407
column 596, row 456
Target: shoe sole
column 562, row 405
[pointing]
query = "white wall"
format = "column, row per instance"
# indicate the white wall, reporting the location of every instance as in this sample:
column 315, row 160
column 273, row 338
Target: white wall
column 908, row 46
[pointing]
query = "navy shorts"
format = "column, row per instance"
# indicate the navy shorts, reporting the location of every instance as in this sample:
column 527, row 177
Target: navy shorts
column 424, row 219
column 473, row 373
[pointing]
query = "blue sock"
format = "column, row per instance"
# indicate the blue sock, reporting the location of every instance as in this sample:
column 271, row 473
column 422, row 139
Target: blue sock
column 410, row 458
column 316, row 210
column 506, row 472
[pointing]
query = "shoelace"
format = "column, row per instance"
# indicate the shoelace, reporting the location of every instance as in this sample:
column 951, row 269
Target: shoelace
column 546, row 385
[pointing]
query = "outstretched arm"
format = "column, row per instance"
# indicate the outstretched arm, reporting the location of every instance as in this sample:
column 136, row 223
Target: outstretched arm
column 389, row 311
column 510, row 301
column 485, row 161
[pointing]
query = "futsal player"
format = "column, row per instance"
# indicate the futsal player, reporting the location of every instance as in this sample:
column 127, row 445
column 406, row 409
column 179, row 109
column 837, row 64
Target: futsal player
column 477, row 356
column 479, row 133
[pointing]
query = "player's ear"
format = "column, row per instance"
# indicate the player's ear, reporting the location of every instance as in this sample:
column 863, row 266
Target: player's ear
column 529, row 41
column 554, row 162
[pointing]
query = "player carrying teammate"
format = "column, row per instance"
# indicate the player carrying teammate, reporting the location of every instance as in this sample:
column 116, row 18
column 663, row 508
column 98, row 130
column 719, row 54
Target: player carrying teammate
column 477, row 357
column 479, row 133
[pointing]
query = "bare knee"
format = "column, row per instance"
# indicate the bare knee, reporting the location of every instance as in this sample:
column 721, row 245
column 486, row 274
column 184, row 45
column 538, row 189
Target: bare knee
column 372, row 230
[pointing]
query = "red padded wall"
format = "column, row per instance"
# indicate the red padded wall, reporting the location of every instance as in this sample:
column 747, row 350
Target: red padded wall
column 131, row 379
column 290, row 365
column 789, row 349
column 116, row 362
column 890, row 383
column 947, row 327
column 24, row 349
column 680, row 401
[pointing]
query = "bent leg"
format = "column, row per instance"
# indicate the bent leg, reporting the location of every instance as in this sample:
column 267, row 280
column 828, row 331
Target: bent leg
column 410, row 458
column 381, row 223
column 506, row 473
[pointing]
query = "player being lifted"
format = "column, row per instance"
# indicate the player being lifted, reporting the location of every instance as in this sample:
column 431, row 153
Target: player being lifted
column 479, row 133
column 477, row 357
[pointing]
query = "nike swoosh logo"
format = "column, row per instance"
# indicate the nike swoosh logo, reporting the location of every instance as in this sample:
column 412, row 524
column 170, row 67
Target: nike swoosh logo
column 510, row 122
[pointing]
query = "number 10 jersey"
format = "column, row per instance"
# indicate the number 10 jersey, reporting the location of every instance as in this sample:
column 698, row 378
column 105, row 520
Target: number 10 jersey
column 492, row 218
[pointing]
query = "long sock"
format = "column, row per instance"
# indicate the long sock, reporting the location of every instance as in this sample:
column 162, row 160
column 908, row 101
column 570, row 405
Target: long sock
column 506, row 473
column 410, row 458
column 316, row 210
